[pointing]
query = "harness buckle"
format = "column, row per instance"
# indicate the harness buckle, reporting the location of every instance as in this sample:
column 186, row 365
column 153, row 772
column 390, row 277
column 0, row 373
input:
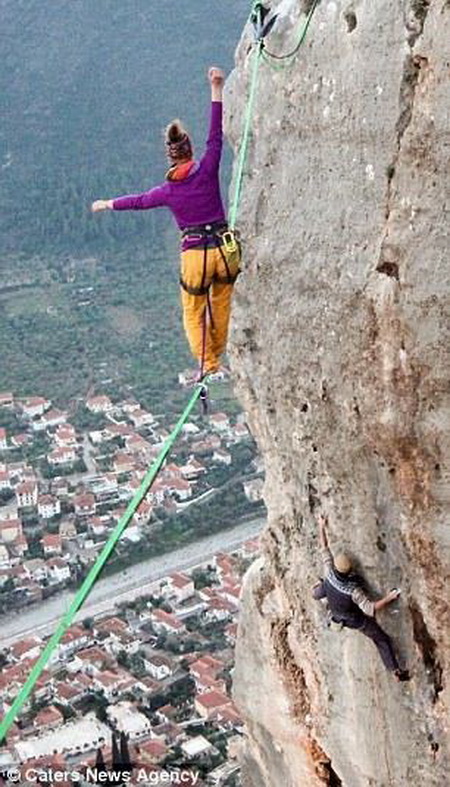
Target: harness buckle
column 193, row 237
column 229, row 241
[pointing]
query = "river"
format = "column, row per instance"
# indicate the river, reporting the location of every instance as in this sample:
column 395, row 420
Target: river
column 42, row 619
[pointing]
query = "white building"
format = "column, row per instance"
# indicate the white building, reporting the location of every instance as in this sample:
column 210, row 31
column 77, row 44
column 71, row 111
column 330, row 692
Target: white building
column 131, row 533
column 48, row 506
column 27, row 494
column 99, row 404
column 181, row 586
column 158, row 666
column 36, row 569
column 5, row 561
column 6, row 399
column 104, row 484
column 35, row 406
column 129, row 720
column 240, row 432
column 143, row 513
column 10, row 530
column 58, row 570
column 220, row 422
column 224, row 457
column 74, row 737
column 195, row 747
column 189, row 428
column 65, row 435
column 112, row 683
column 192, row 469
column 51, row 544
column 5, row 481
column 76, row 637
column 180, row 488
column 140, row 418
column 49, row 419
column 165, row 622
column 62, row 455
column 97, row 526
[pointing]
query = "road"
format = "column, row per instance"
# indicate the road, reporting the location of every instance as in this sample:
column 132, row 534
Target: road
column 42, row 619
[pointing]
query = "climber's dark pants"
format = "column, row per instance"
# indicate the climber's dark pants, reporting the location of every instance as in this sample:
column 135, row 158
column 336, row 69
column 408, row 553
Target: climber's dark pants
column 382, row 641
column 370, row 628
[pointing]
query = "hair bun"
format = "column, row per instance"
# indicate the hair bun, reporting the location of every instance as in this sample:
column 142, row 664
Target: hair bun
column 175, row 131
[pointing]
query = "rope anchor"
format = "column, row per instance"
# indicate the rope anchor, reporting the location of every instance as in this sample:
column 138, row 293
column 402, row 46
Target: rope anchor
column 263, row 21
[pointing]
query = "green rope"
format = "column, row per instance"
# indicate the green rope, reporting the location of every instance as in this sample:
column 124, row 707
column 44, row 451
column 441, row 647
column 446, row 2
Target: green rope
column 246, row 135
column 287, row 59
column 260, row 52
column 92, row 576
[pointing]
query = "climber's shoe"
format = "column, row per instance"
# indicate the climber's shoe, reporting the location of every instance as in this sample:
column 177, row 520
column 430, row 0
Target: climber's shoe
column 402, row 674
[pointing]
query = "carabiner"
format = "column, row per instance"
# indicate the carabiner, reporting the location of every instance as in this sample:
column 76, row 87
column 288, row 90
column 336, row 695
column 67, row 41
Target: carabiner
column 229, row 241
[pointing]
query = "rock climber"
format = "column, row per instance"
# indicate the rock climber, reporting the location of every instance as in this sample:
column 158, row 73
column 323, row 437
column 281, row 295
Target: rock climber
column 350, row 606
column 210, row 253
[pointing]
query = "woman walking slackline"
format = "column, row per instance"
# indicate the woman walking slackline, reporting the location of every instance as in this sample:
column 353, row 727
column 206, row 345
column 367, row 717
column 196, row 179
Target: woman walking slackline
column 210, row 255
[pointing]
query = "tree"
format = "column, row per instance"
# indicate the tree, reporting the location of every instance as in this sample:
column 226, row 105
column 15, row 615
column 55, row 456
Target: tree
column 204, row 578
column 3, row 660
column 5, row 496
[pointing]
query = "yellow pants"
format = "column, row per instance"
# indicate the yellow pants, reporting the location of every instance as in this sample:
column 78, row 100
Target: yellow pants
column 208, row 339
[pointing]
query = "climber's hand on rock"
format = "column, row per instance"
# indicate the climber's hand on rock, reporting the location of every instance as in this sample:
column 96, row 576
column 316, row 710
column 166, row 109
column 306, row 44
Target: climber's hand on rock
column 387, row 599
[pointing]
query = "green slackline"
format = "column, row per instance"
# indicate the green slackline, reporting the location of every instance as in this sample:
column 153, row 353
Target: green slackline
column 92, row 576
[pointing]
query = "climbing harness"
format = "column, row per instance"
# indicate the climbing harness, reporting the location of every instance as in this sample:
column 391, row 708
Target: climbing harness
column 214, row 235
column 221, row 236
column 226, row 237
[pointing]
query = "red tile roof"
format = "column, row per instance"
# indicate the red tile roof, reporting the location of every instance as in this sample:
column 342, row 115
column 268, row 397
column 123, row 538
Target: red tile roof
column 24, row 646
column 213, row 699
column 165, row 617
column 50, row 715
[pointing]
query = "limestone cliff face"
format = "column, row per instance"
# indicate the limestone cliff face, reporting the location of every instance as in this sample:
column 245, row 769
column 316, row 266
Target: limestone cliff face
column 341, row 352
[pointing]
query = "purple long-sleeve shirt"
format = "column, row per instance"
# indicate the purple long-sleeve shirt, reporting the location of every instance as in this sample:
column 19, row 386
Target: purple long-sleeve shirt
column 196, row 199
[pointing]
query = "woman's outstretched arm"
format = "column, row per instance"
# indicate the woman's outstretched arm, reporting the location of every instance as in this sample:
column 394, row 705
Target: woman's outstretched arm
column 155, row 198
column 211, row 158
